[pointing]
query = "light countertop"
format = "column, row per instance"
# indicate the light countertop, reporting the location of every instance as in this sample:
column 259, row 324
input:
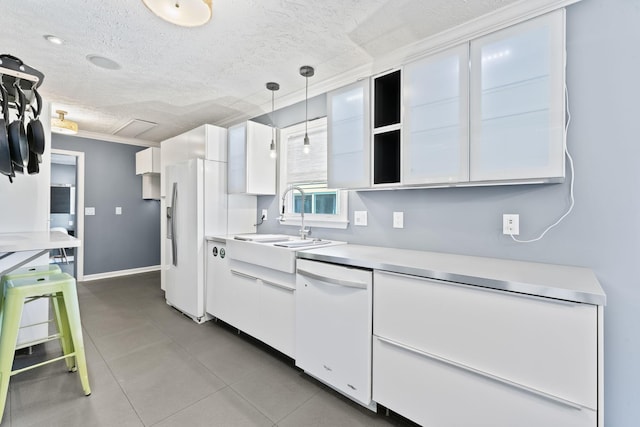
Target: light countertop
column 576, row 284
column 36, row 240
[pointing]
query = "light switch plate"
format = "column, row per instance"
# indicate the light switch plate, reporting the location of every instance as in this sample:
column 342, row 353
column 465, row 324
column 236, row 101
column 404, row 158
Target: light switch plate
column 118, row 210
column 360, row 218
column 89, row 211
column 398, row 220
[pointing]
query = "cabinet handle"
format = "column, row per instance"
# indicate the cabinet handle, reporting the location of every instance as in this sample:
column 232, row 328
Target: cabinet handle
column 278, row 285
column 483, row 374
column 505, row 290
column 331, row 280
column 245, row 275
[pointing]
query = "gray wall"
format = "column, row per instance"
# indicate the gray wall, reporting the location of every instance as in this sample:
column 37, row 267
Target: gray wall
column 115, row 242
column 602, row 232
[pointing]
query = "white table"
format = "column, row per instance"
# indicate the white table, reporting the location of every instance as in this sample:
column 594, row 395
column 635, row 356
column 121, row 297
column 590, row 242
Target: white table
column 18, row 249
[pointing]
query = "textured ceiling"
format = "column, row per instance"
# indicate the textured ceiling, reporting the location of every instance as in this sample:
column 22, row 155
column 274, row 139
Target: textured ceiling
column 183, row 77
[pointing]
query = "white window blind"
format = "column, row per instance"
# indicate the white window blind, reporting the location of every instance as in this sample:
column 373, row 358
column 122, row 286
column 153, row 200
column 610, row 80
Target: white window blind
column 306, row 168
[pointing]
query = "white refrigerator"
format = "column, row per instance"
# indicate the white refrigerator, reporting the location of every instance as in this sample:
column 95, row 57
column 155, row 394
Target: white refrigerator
column 196, row 206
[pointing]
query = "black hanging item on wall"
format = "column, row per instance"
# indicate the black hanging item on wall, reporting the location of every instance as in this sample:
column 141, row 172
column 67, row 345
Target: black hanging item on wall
column 18, row 135
column 24, row 147
column 6, row 165
column 35, row 132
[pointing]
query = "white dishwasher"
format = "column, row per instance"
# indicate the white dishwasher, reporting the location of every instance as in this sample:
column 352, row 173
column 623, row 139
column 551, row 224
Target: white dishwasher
column 333, row 326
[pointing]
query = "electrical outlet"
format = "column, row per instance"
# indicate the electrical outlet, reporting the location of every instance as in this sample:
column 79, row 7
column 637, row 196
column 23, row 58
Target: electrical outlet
column 511, row 224
column 264, row 214
column 360, row 218
column 118, row 210
column 398, row 220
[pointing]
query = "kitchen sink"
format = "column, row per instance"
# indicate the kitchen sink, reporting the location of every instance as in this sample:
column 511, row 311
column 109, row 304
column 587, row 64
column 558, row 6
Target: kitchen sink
column 275, row 251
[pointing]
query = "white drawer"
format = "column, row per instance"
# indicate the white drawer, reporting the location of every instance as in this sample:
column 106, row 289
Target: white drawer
column 544, row 344
column 432, row 392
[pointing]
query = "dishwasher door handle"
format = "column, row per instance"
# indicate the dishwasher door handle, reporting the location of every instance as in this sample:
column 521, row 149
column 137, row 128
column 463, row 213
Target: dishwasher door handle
column 333, row 281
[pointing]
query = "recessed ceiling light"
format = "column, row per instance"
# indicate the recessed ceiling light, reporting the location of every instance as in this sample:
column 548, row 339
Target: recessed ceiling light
column 53, row 39
column 102, row 62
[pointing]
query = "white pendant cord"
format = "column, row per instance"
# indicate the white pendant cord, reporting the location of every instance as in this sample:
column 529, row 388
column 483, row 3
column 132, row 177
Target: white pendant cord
column 572, row 175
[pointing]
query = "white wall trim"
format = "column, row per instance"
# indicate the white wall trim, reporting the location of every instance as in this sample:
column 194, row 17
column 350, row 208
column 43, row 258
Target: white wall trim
column 491, row 22
column 117, row 139
column 119, row 273
column 79, row 254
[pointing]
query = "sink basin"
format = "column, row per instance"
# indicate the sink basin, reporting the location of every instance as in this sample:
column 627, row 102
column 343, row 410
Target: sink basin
column 277, row 255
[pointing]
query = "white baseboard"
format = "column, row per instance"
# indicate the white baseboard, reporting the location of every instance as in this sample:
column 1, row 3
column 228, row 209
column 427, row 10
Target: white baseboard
column 110, row 274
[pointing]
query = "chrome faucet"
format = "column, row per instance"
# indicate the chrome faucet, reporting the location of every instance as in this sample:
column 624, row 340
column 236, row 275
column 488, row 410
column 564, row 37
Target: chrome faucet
column 304, row 232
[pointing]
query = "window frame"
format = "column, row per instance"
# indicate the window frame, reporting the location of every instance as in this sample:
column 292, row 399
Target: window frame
column 338, row 220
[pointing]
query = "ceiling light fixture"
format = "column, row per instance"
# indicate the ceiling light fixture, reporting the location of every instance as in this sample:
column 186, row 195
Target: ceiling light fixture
column 60, row 125
column 273, row 87
column 186, row 13
column 306, row 71
column 53, row 39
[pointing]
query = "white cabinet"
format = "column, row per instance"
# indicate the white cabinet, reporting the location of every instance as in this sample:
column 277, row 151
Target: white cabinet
column 500, row 357
column 435, row 94
column 252, row 170
column 218, row 281
column 333, row 326
column 348, row 133
column 148, row 161
column 148, row 165
column 204, row 142
column 517, row 102
column 435, row 392
column 257, row 300
column 151, row 186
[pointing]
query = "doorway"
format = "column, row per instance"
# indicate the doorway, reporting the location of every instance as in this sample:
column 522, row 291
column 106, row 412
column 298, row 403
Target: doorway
column 66, row 211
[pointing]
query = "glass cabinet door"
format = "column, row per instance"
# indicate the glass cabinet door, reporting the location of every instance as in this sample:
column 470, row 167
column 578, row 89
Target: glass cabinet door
column 348, row 136
column 435, row 92
column 517, row 102
column 237, row 152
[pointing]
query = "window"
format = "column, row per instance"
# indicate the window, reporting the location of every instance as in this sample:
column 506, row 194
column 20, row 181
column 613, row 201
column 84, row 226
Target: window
column 323, row 207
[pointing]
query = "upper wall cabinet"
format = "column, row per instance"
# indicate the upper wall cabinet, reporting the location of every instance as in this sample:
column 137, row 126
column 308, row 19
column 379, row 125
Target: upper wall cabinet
column 148, row 161
column 348, row 133
column 435, row 93
column 387, row 128
column 148, row 165
column 252, row 170
column 517, row 102
column 204, row 142
column 489, row 111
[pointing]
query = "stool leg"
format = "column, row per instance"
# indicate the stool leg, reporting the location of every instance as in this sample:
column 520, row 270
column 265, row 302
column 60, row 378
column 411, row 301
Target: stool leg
column 73, row 316
column 63, row 329
column 12, row 313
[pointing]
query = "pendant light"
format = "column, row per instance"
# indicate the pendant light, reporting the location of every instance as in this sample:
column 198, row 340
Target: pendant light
column 273, row 87
column 306, row 71
column 186, row 13
column 60, row 125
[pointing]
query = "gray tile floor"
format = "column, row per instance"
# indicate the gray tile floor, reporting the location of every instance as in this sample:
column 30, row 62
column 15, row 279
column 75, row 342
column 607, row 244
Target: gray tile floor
column 151, row 366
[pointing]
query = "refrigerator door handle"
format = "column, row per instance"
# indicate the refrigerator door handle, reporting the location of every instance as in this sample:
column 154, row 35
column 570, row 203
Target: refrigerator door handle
column 173, row 234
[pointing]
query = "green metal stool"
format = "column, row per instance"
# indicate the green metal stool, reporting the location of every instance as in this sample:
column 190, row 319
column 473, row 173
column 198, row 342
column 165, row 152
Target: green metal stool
column 24, row 272
column 61, row 288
